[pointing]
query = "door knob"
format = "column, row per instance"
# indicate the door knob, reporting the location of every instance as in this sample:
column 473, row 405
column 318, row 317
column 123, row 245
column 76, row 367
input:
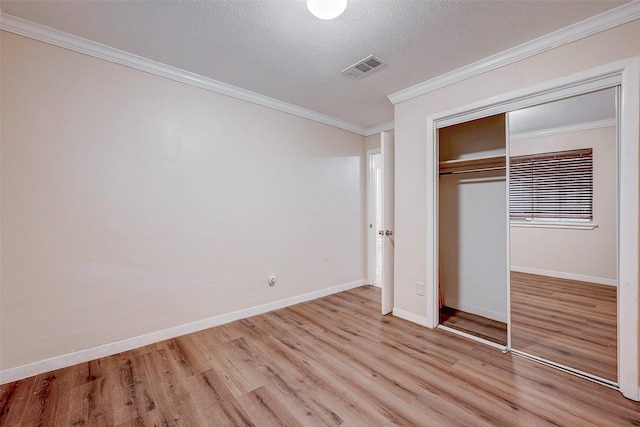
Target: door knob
column 388, row 233
column 381, row 232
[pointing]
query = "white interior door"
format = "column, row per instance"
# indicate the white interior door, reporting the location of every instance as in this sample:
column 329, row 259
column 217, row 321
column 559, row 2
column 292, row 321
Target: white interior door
column 374, row 215
column 386, row 230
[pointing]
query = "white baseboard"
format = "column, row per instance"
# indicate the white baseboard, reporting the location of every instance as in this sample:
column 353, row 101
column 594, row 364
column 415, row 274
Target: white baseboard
column 480, row 311
column 563, row 275
column 411, row 317
column 81, row 356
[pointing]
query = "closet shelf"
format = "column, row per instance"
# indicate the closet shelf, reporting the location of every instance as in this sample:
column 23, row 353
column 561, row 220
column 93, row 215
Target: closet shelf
column 475, row 164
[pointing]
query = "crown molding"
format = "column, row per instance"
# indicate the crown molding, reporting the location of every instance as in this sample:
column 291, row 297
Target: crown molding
column 379, row 128
column 58, row 38
column 612, row 18
column 563, row 129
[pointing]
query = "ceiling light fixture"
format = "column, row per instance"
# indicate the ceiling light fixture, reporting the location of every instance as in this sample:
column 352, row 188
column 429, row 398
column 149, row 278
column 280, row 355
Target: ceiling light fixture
column 326, row 9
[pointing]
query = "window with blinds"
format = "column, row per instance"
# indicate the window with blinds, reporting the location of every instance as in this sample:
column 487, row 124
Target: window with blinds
column 552, row 187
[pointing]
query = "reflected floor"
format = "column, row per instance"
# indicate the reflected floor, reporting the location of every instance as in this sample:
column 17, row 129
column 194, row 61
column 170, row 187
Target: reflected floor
column 565, row 321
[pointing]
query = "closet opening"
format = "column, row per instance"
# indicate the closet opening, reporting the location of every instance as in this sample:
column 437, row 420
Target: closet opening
column 472, row 229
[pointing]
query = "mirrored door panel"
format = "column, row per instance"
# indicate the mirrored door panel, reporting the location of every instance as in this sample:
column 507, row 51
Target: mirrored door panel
column 563, row 232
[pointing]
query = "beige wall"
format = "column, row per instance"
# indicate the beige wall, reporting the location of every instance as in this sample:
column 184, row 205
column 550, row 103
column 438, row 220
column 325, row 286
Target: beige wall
column 132, row 203
column 581, row 252
column 410, row 129
column 372, row 141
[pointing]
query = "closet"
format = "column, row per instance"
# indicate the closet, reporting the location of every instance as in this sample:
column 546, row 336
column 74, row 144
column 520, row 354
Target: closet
column 527, row 231
column 532, row 223
column 472, row 228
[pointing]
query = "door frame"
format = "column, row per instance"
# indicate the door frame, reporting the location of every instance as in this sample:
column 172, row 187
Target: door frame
column 625, row 73
column 387, row 145
column 371, row 215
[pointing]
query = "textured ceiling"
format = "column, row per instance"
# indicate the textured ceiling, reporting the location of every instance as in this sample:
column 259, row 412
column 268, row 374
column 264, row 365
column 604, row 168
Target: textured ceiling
column 278, row 49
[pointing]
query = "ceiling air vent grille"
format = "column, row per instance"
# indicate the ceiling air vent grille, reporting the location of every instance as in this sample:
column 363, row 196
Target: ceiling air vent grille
column 363, row 67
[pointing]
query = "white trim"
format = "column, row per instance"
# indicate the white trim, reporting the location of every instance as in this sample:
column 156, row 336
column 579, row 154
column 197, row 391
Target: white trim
column 70, row 359
column 626, row 73
column 431, row 291
column 470, row 308
column 507, row 214
column 387, row 147
column 609, row 19
column 565, row 275
column 554, row 224
column 564, row 129
column 78, row 44
column 411, row 317
column 383, row 127
column 628, row 214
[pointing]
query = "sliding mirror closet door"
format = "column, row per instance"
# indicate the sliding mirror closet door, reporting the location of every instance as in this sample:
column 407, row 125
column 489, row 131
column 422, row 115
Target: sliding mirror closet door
column 473, row 229
column 563, row 232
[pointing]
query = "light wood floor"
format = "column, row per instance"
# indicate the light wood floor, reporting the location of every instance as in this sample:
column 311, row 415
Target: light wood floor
column 565, row 321
column 332, row 361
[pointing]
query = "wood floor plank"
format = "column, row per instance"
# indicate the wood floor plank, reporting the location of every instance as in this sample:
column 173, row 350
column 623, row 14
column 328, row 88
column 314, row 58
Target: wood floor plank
column 88, row 372
column 265, row 410
column 217, row 353
column 537, row 404
column 147, row 419
column 131, row 393
column 186, row 355
column 50, row 399
column 13, row 400
column 323, row 396
column 241, row 378
column 329, row 362
column 215, row 401
column 91, row 404
column 402, row 389
column 174, row 402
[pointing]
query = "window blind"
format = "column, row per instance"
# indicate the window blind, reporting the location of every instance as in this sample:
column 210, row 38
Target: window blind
column 552, row 186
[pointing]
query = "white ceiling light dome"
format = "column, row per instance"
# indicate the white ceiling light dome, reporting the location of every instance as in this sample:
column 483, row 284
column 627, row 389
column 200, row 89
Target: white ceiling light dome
column 326, row 9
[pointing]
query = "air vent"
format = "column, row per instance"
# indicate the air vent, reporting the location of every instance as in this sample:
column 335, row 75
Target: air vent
column 363, row 67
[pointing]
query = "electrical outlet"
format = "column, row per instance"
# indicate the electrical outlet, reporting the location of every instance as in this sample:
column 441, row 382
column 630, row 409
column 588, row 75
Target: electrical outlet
column 419, row 288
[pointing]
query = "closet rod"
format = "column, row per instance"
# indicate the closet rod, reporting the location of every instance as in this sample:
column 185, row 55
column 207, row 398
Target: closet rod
column 494, row 168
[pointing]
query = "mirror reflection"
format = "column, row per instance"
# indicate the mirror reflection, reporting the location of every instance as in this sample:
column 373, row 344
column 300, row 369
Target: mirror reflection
column 563, row 232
